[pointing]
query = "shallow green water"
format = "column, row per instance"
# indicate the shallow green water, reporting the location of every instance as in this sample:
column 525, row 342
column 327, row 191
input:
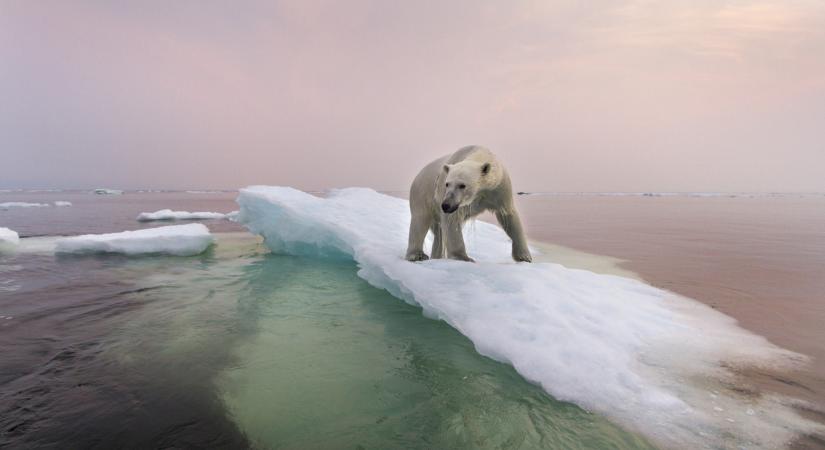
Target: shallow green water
column 302, row 353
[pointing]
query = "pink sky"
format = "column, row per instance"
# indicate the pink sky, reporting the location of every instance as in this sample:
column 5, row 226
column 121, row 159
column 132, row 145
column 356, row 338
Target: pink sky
column 693, row 95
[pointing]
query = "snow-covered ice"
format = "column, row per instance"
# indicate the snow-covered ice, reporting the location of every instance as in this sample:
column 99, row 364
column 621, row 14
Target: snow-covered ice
column 62, row 203
column 640, row 355
column 8, row 239
column 10, row 205
column 179, row 240
column 168, row 214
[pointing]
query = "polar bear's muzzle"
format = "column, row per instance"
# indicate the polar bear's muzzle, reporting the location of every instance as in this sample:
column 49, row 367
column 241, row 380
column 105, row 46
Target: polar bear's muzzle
column 448, row 208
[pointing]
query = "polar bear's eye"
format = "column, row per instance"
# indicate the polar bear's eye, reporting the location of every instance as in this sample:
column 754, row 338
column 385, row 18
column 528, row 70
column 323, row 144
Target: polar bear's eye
column 448, row 184
column 462, row 186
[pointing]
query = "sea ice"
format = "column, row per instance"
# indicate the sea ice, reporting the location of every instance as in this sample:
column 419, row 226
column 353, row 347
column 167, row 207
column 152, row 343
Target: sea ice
column 10, row 205
column 179, row 240
column 640, row 355
column 168, row 214
column 8, row 240
column 62, row 203
column 104, row 191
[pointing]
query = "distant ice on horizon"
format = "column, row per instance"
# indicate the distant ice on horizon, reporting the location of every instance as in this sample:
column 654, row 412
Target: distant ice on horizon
column 105, row 191
column 10, row 205
column 678, row 194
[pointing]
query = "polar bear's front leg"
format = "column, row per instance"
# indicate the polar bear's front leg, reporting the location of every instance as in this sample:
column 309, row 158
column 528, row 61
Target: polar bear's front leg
column 509, row 220
column 438, row 244
column 453, row 237
column 419, row 224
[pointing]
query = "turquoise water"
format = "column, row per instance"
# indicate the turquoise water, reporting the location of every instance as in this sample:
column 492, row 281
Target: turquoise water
column 304, row 354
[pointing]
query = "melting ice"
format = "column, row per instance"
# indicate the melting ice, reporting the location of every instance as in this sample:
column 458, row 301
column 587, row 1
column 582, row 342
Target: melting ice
column 648, row 359
column 10, row 205
column 179, row 240
column 168, row 214
column 8, row 239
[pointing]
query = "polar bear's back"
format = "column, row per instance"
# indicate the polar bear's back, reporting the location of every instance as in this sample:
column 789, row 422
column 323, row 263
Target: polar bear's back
column 470, row 153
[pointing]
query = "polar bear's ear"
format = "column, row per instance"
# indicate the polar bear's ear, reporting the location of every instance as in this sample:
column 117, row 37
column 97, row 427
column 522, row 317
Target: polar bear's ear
column 485, row 169
column 446, row 168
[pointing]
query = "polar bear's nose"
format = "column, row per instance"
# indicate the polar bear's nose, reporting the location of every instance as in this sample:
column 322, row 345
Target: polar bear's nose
column 447, row 208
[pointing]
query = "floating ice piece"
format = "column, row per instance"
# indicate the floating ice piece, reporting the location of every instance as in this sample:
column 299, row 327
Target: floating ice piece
column 8, row 240
column 62, row 203
column 168, row 214
column 640, row 355
column 233, row 216
column 104, row 191
column 180, row 240
column 10, row 205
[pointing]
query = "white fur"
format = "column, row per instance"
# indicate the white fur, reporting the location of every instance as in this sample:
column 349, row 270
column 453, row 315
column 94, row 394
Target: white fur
column 466, row 183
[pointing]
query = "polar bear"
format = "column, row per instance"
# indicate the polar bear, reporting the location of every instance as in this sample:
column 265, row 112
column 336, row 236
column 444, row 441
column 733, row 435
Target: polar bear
column 451, row 190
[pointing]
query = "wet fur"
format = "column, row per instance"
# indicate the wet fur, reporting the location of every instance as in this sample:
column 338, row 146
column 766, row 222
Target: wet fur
column 491, row 192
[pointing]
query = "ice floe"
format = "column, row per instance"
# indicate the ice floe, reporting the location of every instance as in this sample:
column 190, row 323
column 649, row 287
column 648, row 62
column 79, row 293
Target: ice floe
column 10, row 205
column 168, row 214
column 179, row 240
column 640, row 355
column 8, row 240
column 105, row 191
column 62, row 203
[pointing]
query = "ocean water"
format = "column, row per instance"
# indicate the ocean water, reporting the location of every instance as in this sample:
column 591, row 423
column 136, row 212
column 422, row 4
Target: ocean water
column 239, row 347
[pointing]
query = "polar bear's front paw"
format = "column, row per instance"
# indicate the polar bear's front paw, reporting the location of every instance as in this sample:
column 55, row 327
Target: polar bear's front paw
column 522, row 256
column 462, row 257
column 417, row 256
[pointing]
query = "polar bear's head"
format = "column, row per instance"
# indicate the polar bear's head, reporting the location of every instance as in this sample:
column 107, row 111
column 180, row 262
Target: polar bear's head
column 462, row 183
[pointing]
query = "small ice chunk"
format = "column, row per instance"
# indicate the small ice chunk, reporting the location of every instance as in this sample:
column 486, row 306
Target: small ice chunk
column 10, row 205
column 62, row 203
column 105, row 191
column 233, row 216
column 168, row 214
column 179, row 240
column 8, row 240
